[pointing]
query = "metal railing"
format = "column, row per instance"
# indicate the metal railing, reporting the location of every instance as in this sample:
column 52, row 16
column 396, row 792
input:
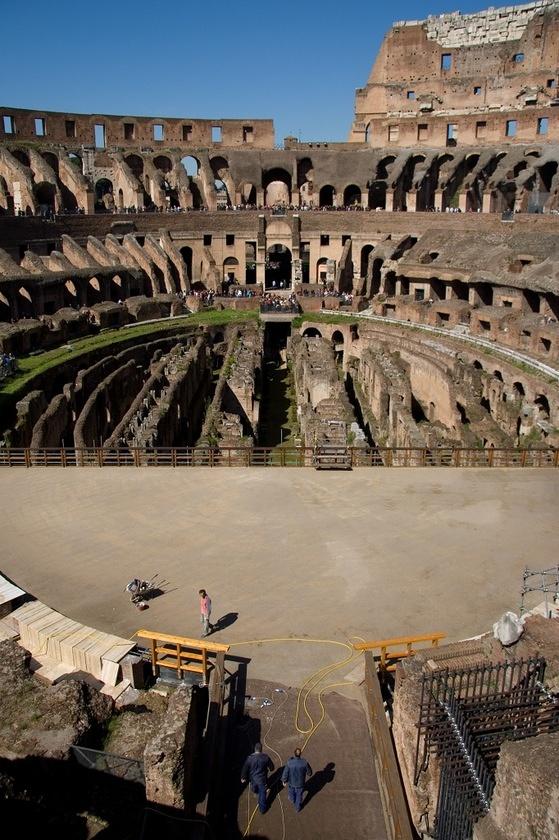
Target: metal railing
column 260, row 456
column 116, row 765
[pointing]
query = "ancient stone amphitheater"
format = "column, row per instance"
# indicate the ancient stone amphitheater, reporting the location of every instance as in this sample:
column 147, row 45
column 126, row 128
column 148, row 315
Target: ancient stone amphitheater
column 184, row 293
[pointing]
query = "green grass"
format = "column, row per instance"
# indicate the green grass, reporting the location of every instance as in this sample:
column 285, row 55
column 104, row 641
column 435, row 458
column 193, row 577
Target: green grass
column 31, row 366
column 322, row 318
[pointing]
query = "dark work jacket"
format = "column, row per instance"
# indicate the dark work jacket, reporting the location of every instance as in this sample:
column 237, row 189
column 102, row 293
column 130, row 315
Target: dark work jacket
column 256, row 768
column 296, row 771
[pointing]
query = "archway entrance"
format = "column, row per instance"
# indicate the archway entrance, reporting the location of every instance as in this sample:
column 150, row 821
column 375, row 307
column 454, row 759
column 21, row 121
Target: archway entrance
column 278, row 267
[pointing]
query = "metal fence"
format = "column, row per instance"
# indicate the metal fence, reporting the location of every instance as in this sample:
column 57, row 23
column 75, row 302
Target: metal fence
column 259, row 456
column 464, row 718
column 116, row 765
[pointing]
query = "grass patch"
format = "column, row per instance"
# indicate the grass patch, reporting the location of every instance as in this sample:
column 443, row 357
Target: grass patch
column 31, row 366
column 323, row 318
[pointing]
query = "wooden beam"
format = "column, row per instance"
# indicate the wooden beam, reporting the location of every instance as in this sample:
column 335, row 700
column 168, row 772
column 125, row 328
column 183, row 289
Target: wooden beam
column 401, row 640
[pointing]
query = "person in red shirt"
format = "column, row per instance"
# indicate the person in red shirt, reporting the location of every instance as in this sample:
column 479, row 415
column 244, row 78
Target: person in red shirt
column 205, row 612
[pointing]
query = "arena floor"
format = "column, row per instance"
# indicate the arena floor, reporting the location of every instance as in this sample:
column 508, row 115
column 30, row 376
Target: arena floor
column 284, row 553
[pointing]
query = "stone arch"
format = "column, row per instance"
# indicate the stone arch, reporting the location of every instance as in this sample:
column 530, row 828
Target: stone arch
column 278, row 266
column 51, row 159
column 382, row 166
column 477, row 364
column 163, row 163
column 231, row 270
column 136, row 165
column 376, row 276
column 327, row 196
column 311, row 332
column 547, row 173
column 321, row 273
column 186, row 254
column 366, row 251
column 45, row 193
column 94, row 294
column 352, row 196
column 191, row 165
column 222, row 181
column 104, row 200
column 76, row 160
column 248, row 193
column 367, row 132
column 70, row 292
column 25, row 303
column 377, row 195
column 541, row 404
column 518, row 390
column 22, row 156
column 277, row 186
column 337, row 337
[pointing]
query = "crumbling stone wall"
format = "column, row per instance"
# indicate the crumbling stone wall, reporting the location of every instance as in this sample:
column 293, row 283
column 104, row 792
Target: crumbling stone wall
column 106, row 405
column 323, row 408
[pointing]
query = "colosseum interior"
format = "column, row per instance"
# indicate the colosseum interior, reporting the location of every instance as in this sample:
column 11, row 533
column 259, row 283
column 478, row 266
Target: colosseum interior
column 184, row 294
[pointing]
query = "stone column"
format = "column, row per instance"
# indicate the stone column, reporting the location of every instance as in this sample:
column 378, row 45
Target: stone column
column 463, row 201
column 390, row 200
column 486, row 203
column 411, row 201
column 438, row 200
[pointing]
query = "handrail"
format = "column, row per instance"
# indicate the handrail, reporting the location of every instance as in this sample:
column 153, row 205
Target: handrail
column 260, row 456
column 215, row 647
column 388, row 656
column 180, row 653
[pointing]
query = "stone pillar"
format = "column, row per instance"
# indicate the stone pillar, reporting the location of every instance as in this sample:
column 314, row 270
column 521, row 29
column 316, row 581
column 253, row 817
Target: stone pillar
column 339, row 200
column 259, row 197
column 438, row 200
column 89, row 202
column 390, row 200
column 486, row 202
column 365, row 199
column 411, row 201
column 463, row 201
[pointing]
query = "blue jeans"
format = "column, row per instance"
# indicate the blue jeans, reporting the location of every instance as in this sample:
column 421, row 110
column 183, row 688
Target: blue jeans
column 295, row 795
column 260, row 789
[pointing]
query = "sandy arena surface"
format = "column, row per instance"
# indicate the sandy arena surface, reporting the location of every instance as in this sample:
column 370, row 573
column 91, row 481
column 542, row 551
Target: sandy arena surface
column 283, row 552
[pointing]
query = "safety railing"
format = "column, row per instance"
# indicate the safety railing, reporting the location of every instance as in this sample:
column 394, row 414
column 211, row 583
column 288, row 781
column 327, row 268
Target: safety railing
column 181, row 654
column 391, row 651
column 259, row 456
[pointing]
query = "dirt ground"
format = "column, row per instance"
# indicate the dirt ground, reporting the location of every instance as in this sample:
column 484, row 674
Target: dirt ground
column 284, row 553
column 342, row 797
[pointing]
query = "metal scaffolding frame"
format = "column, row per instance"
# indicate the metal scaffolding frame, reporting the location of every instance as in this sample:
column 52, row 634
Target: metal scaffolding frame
column 541, row 580
column 465, row 715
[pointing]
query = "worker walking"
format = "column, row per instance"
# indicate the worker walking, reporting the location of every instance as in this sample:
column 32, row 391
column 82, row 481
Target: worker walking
column 255, row 769
column 205, row 611
column 294, row 776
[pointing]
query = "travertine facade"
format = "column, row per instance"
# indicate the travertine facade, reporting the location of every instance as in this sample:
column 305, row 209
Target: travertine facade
column 488, row 78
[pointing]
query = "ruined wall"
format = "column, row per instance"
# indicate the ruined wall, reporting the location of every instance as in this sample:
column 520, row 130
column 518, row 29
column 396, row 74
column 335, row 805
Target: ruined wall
column 106, row 405
column 53, row 428
column 75, row 130
column 487, row 67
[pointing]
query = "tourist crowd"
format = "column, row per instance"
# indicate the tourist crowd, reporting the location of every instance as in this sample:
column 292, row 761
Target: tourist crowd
column 8, row 365
column 325, row 292
column 277, row 303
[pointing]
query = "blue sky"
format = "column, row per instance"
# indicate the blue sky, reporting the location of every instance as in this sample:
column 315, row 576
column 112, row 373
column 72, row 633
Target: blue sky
column 296, row 62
